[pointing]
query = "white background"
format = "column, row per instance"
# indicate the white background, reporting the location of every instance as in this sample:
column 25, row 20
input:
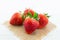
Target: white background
column 8, row 7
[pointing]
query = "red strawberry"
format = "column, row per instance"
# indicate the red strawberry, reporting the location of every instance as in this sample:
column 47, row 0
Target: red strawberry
column 28, row 10
column 43, row 20
column 30, row 25
column 16, row 19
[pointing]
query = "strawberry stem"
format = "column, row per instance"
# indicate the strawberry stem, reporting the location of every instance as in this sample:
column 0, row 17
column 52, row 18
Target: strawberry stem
column 35, row 16
column 46, row 14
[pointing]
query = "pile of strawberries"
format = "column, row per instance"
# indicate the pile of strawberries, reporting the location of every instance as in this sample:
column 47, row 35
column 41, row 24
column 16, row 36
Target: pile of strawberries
column 30, row 19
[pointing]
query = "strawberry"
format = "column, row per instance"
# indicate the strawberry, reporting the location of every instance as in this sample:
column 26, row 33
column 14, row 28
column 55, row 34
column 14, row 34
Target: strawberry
column 35, row 15
column 43, row 21
column 28, row 10
column 16, row 19
column 30, row 25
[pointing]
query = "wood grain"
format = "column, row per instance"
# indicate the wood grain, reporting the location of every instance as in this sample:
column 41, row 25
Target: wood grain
column 19, row 31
